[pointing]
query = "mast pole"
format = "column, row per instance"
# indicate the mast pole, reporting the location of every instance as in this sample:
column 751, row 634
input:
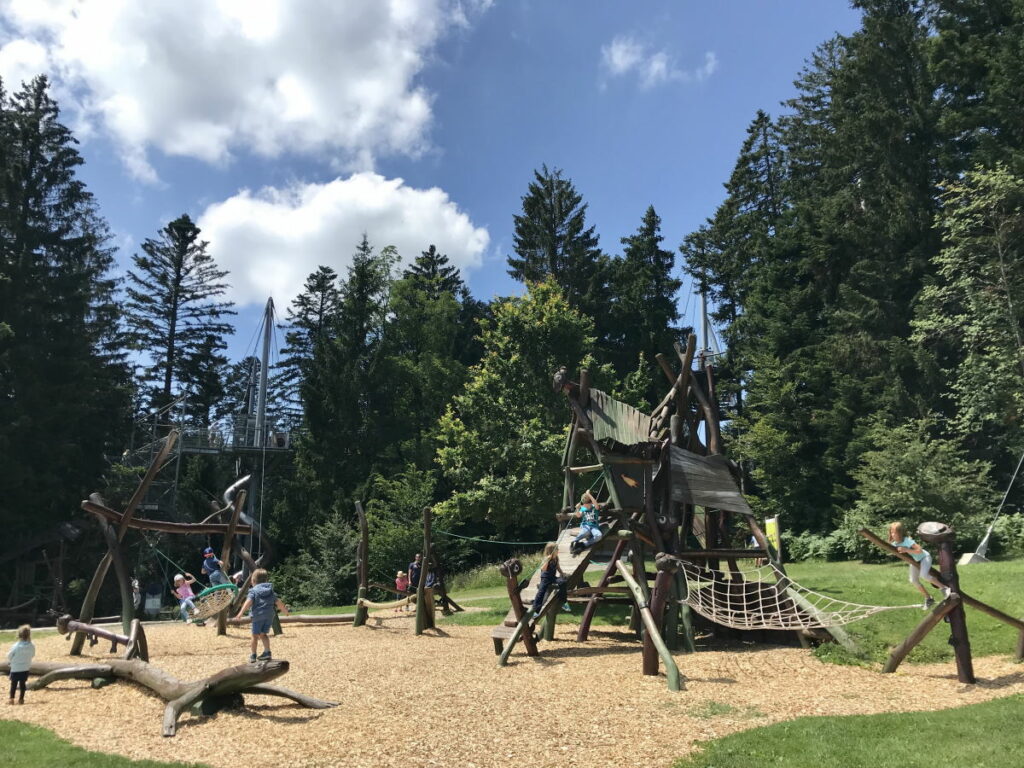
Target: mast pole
column 261, row 408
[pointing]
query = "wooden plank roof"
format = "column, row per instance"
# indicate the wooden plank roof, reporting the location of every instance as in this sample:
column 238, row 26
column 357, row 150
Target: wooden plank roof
column 617, row 421
column 705, row 480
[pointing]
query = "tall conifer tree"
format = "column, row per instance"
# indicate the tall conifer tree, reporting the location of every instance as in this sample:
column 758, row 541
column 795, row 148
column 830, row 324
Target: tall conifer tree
column 175, row 309
column 63, row 383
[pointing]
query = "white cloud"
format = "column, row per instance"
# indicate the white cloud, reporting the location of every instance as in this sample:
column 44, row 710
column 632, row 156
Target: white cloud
column 204, row 78
column 625, row 55
column 272, row 240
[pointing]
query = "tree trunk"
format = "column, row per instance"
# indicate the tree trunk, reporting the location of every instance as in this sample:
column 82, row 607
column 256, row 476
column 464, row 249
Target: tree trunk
column 179, row 694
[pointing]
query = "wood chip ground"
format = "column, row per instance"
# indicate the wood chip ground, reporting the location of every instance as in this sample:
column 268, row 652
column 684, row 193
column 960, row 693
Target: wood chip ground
column 441, row 700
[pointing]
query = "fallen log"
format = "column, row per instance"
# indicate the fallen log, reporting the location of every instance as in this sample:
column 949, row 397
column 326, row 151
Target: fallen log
column 211, row 693
column 303, row 618
column 134, row 642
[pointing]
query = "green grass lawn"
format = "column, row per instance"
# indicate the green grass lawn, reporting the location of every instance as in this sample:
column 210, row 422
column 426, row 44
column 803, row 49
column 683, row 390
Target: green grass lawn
column 980, row 736
column 854, row 582
column 994, row 583
column 29, row 746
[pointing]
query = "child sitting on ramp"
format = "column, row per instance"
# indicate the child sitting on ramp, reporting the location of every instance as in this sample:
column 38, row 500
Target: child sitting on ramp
column 590, row 529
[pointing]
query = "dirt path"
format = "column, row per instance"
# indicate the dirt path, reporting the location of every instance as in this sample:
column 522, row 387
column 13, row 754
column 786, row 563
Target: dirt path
column 440, row 699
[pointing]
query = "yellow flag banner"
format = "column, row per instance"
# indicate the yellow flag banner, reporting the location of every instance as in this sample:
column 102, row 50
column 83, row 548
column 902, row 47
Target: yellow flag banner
column 771, row 530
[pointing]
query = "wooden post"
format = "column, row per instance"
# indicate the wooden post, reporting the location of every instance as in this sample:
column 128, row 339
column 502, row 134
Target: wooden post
column 114, row 553
column 659, row 599
column 640, row 599
column 591, row 609
column 899, row 653
column 225, row 554
column 511, row 569
column 424, row 612
column 85, row 614
column 362, row 567
column 957, row 620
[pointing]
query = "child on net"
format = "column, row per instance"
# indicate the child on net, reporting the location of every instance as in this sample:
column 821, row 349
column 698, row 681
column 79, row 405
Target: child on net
column 922, row 565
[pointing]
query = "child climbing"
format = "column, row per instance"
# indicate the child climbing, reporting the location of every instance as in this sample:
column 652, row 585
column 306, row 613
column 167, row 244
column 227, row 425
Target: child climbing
column 402, row 587
column 262, row 600
column 213, row 568
column 550, row 570
column 590, row 531
column 182, row 590
column 922, row 565
column 20, row 657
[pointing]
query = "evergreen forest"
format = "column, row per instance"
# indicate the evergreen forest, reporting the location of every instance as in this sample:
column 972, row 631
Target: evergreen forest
column 864, row 270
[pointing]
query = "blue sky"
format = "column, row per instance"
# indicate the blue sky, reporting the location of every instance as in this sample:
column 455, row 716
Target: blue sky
column 288, row 127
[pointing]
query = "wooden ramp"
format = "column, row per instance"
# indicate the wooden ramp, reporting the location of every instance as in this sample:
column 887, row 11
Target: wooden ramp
column 572, row 566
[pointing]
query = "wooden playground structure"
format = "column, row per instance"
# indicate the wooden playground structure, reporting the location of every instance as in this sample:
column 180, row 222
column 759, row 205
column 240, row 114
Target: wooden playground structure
column 671, row 499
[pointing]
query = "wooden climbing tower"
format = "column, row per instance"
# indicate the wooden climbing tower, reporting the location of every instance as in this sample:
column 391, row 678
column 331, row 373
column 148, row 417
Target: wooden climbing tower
column 671, row 503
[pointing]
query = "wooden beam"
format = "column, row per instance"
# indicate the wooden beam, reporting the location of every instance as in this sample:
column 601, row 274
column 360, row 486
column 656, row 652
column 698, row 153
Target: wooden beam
column 164, row 526
column 985, row 608
column 899, row 653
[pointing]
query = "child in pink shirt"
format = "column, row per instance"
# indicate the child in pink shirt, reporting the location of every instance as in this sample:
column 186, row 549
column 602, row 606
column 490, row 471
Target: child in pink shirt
column 183, row 591
column 402, row 584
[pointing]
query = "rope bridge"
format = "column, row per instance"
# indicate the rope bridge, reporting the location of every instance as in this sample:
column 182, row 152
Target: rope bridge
column 749, row 601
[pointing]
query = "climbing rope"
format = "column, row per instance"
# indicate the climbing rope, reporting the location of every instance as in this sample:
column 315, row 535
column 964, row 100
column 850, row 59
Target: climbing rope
column 749, row 601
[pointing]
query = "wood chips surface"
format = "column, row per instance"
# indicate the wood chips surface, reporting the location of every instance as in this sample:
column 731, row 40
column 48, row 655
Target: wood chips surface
column 441, row 700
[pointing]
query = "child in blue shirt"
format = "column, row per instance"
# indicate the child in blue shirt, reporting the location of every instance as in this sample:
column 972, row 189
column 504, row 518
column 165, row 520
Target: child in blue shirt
column 922, row 565
column 263, row 601
column 590, row 529
column 213, row 567
column 20, row 657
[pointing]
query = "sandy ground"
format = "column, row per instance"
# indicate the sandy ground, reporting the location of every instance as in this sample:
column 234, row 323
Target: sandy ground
column 441, row 700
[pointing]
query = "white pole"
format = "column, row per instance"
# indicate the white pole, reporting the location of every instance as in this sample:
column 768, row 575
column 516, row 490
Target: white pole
column 261, row 409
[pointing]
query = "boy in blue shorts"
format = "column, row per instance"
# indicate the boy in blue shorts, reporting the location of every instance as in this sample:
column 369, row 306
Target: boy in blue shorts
column 263, row 601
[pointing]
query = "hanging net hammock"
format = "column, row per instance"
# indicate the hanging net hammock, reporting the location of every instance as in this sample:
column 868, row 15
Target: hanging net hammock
column 213, row 600
column 763, row 598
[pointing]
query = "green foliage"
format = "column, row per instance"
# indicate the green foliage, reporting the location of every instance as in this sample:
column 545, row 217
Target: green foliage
column 501, row 439
column 324, row 570
column 970, row 317
column 1008, row 536
column 911, row 475
column 488, row 576
column 811, row 546
column 982, row 735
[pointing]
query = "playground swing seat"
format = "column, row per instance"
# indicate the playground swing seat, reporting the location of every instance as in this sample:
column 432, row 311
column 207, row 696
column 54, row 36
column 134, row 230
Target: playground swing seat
column 213, row 600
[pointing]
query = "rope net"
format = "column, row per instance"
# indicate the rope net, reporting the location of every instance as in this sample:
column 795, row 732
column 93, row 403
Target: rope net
column 747, row 600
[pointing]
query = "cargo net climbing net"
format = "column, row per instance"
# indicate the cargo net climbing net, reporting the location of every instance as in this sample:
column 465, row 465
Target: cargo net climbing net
column 764, row 598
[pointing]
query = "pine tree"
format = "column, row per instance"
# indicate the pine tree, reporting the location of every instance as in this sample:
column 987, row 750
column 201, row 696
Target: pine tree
column 432, row 274
column 174, row 308
column 64, row 390
column 309, row 322
column 552, row 239
column 643, row 309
